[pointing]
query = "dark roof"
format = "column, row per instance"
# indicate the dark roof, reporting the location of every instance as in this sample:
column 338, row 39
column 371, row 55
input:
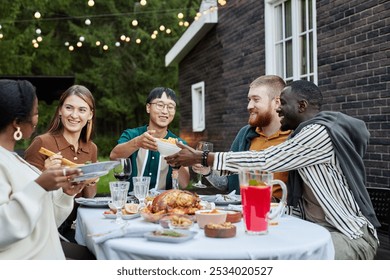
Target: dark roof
column 49, row 88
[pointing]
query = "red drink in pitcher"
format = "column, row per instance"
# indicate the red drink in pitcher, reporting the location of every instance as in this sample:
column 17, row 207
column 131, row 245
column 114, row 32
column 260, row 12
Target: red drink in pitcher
column 255, row 207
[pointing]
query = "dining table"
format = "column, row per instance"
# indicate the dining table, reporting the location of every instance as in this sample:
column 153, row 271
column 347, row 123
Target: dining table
column 290, row 239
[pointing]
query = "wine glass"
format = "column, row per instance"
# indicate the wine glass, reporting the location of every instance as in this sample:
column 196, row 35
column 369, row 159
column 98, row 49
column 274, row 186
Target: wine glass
column 141, row 188
column 122, row 171
column 202, row 146
column 119, row 190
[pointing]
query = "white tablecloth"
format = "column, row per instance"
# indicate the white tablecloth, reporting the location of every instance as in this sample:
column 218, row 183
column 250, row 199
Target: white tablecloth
column 292, row 239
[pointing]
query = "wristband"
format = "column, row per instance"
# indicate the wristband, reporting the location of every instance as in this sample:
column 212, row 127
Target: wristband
column 205, row 155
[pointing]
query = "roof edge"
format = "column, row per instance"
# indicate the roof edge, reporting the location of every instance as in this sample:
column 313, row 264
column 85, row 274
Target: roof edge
column 197, row 30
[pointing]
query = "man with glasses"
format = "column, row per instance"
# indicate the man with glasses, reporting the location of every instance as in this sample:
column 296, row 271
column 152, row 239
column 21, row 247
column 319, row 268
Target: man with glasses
column 140, row 144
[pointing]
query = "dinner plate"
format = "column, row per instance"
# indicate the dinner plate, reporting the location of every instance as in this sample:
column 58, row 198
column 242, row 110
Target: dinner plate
column 124, row 217
column 94, row 170
column 93, row 202
column 166, row 148
column 212, row 198
column 187, row 235
column 89, row 176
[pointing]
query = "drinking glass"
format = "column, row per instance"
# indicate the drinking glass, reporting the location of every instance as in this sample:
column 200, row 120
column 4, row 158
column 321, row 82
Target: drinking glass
column 119, row 190
column 122, row 171
column 202, row 146
column 141, row 188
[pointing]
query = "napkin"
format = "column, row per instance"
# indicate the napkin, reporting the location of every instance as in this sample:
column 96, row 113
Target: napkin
column 231, row 197
column 234, row 207
column 125, row 231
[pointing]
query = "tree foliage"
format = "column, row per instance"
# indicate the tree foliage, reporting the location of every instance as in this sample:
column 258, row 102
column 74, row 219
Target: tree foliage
column 122, row 76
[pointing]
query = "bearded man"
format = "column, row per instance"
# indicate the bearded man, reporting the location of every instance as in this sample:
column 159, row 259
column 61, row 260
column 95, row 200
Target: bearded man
column 261, row 132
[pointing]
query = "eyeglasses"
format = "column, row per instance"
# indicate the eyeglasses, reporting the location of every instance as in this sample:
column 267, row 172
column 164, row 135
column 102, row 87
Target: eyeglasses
column 160, row 106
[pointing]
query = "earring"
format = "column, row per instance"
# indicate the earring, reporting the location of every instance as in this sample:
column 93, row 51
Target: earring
column 18, row 134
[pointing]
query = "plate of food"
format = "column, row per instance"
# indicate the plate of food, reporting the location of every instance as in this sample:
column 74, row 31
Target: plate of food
column 111, row 215
column 94, row 202
column 95, row 170
column 170, row 235
column 222, row 199
column 167, row 147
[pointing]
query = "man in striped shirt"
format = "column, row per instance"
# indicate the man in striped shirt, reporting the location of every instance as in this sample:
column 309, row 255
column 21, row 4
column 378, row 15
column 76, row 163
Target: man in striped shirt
column 324, row 155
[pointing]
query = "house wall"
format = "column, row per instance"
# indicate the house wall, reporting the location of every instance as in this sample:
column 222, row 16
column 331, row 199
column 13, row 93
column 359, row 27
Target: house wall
column 353, row 72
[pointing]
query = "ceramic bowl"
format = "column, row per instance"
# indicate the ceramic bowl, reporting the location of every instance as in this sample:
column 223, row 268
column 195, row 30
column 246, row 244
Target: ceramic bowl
column 204, row 217
column 166, row 148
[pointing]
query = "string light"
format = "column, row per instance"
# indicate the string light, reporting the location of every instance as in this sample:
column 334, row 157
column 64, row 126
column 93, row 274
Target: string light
column 134, row 22
column 66, row 44
column 180, row 15
column 1, row 35
column 39, row 39
column 82, row 38
column 79, row 44
column 38, row 31
column 37, row 15
column 91, row 3
column 162, row 27
column 98, row 43
column 168, row 31
column 127, row 39
column 71, row 48
column 117, row 44
column 87, row 21
column 105, row 47
column 138, row 41
column 143, row 2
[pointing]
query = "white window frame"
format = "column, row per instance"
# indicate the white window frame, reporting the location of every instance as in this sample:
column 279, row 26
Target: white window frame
column 270, row 40
column 198, row 107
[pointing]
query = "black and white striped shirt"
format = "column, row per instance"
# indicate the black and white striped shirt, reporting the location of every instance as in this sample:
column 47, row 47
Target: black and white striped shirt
column 311, row 153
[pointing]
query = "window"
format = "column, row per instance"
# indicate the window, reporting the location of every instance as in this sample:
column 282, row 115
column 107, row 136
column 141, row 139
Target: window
column 198, row 114
column 290, row 32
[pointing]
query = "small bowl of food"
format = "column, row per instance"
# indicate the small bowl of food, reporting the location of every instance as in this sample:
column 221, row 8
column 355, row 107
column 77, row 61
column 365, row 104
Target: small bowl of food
column 215, row 216
column 167, row 147
column 149, row 216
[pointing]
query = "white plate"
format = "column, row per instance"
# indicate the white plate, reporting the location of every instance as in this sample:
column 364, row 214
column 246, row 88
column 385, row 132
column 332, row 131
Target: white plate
column 187, row 235
column 212, row 198
column 94, row 202
column 94, row 170
column 89, row 176
column 125, row 217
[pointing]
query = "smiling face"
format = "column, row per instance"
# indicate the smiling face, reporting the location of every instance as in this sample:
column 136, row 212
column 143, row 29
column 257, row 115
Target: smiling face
column 289, row 110
column 261, row 107
column 75, row 113
column 161, row 117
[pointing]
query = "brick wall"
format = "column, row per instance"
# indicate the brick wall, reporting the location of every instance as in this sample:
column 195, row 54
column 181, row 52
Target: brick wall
column 353, row 72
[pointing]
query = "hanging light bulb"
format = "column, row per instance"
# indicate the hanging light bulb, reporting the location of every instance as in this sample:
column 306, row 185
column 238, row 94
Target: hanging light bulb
column 123, row 37
column 153, row 36
column 117, row 44
column 1, row 35
column 143, row 2
column 91, row 3
column 180, row 15
column 134, row 22
column 105, row 47
column 186, row 23
column 162, row 27
column 36, row 45
column 38, row 31
column 82, row 38
column 79, row 44
column 39, row 39
column 71, row 48
column 87, row 21
column 97, row 43
column 34, row 41
column 66, row 44
column 37, row 15
column 127, row 39
column 168, row 31
column 138, row 41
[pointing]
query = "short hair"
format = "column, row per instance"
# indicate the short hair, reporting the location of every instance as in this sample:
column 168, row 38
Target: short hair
column 16, row 101
column 56, row 127
column 308, row 91
column 158, row 92
column 273, row 82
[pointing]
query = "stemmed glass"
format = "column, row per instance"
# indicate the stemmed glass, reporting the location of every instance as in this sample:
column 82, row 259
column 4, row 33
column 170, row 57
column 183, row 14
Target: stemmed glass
column 122, row 171
column 141, row 188
column 119, row 190
column 202, row 146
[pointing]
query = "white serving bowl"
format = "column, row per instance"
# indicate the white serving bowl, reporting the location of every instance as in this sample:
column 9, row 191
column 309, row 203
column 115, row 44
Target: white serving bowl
column 166, row 149
column 204, row 217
